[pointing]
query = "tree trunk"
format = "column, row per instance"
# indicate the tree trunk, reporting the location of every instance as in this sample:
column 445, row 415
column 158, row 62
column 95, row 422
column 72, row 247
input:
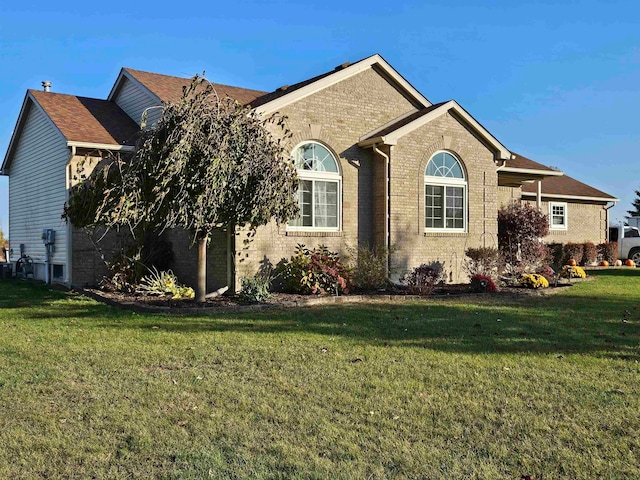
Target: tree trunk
column 201, row 291
column 231, row 253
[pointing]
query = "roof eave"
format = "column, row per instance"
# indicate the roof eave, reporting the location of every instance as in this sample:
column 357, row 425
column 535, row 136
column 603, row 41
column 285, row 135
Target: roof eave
column 101, row 146
column 531, row 171
column 573, row 197
column 17, row 131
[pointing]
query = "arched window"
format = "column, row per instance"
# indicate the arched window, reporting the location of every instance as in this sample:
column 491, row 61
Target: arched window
column 319, row 190
column 445, row 194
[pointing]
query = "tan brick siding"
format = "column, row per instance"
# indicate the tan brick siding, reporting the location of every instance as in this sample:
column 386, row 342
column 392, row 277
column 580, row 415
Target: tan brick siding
column 507, row 195
column 585, row 223
column 412, row 245
column 336, row 116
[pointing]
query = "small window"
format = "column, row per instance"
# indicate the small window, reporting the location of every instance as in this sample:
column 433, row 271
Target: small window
column 445, row 194
column 557, row 216
column 58, row 271
column 319, row 190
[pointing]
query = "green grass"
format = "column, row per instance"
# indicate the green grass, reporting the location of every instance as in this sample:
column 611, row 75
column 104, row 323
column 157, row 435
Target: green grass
column 485, row 388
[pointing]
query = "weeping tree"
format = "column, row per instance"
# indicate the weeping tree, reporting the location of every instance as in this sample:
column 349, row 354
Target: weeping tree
column 208, row 163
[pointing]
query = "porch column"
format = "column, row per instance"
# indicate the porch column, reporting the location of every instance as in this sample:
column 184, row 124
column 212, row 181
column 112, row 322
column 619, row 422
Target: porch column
column 539, row 194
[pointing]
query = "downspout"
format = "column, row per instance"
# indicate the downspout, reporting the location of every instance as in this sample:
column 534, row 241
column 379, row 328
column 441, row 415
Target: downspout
column 606, row 221
column 69, row 176
column 387, row 206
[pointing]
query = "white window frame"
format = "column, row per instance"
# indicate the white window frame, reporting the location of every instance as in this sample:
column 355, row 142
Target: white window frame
column 313, row 176
column 565, row 223
column 446, row 182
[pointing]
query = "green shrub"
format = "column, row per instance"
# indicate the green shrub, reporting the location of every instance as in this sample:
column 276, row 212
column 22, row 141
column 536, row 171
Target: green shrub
column 569, row 271
column 423, row 279
column 315, row 271
column 255, row 289
column 590, row 253
column 485, row 261
column 369, row 268
column 534, row 280
column 164, row 283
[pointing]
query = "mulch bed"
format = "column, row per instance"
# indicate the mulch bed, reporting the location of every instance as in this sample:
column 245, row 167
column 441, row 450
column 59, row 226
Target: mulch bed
column 226, row 303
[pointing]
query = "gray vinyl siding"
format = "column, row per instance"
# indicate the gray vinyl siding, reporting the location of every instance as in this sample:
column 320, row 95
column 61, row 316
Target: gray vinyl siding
column 134, row 99
column 37, row 191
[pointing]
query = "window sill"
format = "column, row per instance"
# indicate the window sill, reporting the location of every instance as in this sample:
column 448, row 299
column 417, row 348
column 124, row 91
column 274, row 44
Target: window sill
column 446, row 234
column 312, row 233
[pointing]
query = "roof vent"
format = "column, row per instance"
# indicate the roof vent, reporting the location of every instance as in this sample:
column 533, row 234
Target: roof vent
column 46, row 85
column 282, row 88
column 344, row 65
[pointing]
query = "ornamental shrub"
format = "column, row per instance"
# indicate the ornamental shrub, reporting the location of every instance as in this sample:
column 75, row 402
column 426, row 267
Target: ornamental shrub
column 569, row 271
column 546, row 271
column 608, row 251
column 163, row 283
column 423, row 279
column 590, row 253
column 572, row 251
column 534, row 280
column 255, row 289
column 483, row 283
column 520, row 228
column 369, row 267
column 485, row 261
column 316, row 271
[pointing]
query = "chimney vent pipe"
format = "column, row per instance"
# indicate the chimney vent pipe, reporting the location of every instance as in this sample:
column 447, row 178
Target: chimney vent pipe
column 46, row 85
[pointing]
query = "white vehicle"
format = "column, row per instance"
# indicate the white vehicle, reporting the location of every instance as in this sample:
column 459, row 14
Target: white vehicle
column 628, row 239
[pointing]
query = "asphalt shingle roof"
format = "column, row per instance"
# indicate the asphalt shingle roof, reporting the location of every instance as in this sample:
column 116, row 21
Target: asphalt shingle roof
column 90, row 120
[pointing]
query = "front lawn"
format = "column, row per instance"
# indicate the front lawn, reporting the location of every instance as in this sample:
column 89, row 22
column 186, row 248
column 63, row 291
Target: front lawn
column 473, row 388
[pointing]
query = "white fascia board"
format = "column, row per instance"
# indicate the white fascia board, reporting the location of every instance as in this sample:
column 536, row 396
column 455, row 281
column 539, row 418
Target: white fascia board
column 503, row 151
column 392, row 138
column 388, row 124
column 340, row 75
column 531, row 171
column 101, row 146
column 572, row 197
column 124, row 74
column 28, row 100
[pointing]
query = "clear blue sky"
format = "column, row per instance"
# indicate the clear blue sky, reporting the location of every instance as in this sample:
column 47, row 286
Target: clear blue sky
column 557, row 81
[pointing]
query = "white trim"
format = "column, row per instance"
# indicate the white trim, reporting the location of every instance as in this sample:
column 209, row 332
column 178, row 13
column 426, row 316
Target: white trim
column 572, row 197
column 313, row 176
column 565, row 207
column 532, row 171
column 101, row 146
column 446, row 182
column 340, row 75
column 392, row 138
column 388, row 124
column 18, row 128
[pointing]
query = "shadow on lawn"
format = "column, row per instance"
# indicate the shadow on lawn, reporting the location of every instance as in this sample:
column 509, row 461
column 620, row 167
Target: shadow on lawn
column 567, row 324
column 564, row 323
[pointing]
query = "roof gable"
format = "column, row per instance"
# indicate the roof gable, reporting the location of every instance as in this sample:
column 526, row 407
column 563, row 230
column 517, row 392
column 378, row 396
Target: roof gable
column 77, row 120
column 390, row 134
column 169, row 89
column 283, row 96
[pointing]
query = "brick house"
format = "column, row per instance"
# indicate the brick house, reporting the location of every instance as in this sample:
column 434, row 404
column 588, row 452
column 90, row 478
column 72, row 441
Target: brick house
column 378, row 164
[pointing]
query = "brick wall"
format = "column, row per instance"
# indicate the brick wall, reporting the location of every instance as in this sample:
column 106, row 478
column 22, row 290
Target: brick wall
column 411, row 244
column 586, row 222
column 336, row 116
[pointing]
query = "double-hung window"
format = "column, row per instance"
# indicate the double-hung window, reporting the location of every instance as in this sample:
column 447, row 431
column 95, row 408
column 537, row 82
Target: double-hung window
column 445, row 194
column 557, row 216
column 319, row 190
